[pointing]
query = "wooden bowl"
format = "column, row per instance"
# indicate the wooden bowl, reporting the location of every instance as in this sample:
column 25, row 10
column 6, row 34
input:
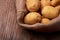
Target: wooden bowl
column 53, row 26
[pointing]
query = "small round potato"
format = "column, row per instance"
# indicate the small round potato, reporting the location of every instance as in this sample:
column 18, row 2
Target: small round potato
column 33, row 5
column 45, row 3
column 32, row 18
column 55, row 2
column 50, row 12
column 45, row 21
column 58, row 7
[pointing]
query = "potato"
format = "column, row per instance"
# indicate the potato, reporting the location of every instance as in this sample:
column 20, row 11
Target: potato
column 58, row 7
column 45, row 21
column 50, row 12
column 55, row 2
column 45, row 3
column 32, row 5
column 32, row 18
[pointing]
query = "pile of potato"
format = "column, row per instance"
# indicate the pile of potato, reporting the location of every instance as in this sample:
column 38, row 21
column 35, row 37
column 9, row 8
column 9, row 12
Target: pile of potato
column 41, row 11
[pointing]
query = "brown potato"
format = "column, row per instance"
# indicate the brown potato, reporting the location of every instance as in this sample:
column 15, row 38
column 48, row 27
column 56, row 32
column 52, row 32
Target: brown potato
column 32, row 5
column 50, row 12
column 55, row 2
column 32, row 18
column 45, row 3
column 58, row 7
column 45, row 21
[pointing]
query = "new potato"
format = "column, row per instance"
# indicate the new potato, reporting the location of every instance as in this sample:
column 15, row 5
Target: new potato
column 55, row 2
column 58, row 7
column 50, row 12
column 45, row 3
column 32, row 18
column 45, row 21
column 33, row 5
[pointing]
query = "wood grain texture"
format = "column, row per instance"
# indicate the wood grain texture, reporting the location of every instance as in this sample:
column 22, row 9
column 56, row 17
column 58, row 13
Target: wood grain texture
column 9, row 30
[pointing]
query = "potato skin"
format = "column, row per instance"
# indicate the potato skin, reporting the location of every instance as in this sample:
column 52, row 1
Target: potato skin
column 50, row 12
column 45, row 21
column 33, row 5
column 45, row 3
column 32, row 18
column 55, row 2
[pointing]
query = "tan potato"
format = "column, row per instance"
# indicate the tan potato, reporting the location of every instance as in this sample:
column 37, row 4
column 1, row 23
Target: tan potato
column 45, row 3
column 55, row 2
column 45, row 21
column 50, row 12
column 32, row 18
column 32, row 5
column 58, row 7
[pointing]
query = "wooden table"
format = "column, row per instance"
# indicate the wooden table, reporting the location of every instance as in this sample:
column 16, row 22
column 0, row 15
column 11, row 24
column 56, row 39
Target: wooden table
column 9, row 30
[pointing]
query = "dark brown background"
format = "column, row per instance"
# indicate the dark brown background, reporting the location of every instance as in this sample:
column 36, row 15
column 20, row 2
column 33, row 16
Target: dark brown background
column 9, row 30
